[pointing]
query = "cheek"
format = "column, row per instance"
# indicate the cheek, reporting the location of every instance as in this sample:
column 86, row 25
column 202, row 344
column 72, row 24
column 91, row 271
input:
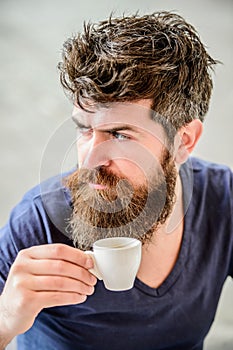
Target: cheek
column 137, row 174
column 82, row 153
column 140, row 161
column 129, row 169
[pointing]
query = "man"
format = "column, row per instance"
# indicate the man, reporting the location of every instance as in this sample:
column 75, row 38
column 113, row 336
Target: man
column 141, row 87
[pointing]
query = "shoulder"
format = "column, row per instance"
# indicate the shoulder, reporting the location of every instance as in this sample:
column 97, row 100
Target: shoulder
column 209, row 174
column 49, row 192
column 208, row 185
column 48, row 187
column 43, row 210
column 200, row 165
column 216, row 178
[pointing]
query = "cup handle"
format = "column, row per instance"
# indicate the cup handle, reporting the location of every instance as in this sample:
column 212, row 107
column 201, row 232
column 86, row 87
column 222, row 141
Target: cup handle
column 94, row 270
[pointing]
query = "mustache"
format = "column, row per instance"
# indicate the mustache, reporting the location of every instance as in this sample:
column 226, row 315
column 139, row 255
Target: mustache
column 118, row 190
column 115, row 184
column 99, row 175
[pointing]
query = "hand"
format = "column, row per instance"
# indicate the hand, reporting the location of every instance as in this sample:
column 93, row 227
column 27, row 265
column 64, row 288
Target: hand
column 43, row 276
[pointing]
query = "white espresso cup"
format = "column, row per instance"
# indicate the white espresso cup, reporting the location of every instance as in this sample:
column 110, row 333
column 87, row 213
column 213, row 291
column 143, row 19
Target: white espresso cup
column 116, row 261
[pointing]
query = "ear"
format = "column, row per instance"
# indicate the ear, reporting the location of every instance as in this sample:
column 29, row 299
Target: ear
column 186, row 140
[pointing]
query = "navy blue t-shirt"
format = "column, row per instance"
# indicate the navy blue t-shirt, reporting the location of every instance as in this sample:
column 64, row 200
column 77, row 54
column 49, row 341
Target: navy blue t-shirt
column 176, row 315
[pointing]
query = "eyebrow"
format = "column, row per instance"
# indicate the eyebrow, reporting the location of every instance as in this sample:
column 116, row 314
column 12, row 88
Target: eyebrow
column 122, row 127
column 78, row 123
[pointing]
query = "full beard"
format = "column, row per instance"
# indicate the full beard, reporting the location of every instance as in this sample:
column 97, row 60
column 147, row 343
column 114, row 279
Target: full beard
column 122, row 209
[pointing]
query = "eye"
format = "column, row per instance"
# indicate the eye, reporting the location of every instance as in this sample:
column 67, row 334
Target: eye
column 119, row 136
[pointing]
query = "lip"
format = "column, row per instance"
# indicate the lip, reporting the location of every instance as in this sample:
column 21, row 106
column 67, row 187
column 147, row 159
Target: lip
column 97, row 186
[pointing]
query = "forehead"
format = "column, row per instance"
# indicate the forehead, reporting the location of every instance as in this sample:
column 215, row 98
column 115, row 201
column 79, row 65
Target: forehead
column 137, row 115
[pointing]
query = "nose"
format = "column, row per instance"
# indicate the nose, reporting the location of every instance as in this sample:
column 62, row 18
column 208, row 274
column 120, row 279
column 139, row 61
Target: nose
column 98, row 152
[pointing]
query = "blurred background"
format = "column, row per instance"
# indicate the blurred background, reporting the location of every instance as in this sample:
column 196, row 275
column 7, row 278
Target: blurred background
column 35, row 130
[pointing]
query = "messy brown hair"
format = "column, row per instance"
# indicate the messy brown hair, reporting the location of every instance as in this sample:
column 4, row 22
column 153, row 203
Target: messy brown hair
column 158, row 56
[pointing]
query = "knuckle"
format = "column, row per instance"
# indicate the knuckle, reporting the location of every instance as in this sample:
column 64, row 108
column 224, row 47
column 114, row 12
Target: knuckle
column 24, row 299
column 57, row 249
column 17, row 283
column 22, row 254
column 81, row 256
column 17, row 277
column 17, row 268
column 59, row 283
column 59, row 266
column 84, row 289
column 83, row 274
column 87, row 277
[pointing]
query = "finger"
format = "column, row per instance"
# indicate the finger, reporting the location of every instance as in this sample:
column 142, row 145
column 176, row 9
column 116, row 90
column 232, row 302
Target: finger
column 58, row 251
column 51, row 299
column 57, row 283
column 60, row 268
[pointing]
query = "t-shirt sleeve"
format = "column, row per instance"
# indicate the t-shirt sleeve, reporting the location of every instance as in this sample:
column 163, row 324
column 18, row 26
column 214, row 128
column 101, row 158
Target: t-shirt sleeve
column 231, row 220
column 24, row 228
column 40, row 218
column 8, row 253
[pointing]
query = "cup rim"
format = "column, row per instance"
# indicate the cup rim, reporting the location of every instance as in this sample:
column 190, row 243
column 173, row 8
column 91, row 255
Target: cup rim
column 131, row 243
